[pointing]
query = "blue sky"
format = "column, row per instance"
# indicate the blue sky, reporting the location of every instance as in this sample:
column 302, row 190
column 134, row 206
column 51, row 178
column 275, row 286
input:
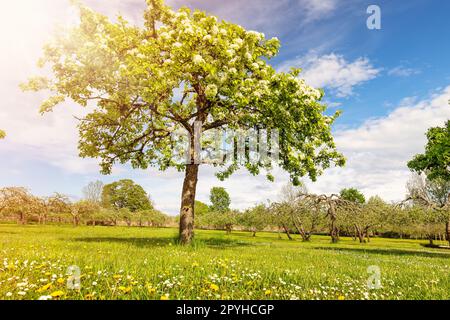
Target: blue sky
column 391, row 84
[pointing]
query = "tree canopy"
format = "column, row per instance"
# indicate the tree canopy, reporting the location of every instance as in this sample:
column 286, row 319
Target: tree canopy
column 220, row 199
column 353, row 195
column 125, row 194
column 435, row 162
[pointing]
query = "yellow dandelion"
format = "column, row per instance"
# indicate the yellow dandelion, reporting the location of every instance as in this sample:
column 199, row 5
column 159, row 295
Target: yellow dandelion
column 150, row 289
column 57, row 294
column 214, row 287
column 268, row 292
column 125, row 289
column 341, row 298
column 165, row 297
column 44, row 288
column 61, row 281
column 195, row 265
column 89, row 296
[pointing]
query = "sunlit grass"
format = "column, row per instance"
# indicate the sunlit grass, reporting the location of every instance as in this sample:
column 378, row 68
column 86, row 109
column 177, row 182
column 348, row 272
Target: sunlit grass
column 143, row 263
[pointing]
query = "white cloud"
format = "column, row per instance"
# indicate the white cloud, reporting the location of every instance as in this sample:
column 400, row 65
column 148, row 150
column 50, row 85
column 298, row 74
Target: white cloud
column 317, row 9
column 401, row 71
column 333, row 71
column 379, row 149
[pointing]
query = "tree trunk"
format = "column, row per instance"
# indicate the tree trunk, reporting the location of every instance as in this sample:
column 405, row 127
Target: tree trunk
column 447, row 231
column 288, row 234
column 334, row 232
column 187, row 204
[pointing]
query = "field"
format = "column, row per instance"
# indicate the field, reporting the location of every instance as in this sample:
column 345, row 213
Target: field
column 143, row 263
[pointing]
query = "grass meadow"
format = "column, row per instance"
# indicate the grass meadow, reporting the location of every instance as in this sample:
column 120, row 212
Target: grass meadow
column 144, row 263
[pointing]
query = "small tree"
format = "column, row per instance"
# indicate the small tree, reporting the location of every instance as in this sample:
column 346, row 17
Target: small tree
column 58, row 205
column 364, row 217
column 126, row 215
column 125, row 194
column 222, row 220
column 255, row 219
column 220, row 199
column 221, row 71
column 19, row 202
column 433, row 196
column 201, row 214
column 307, row 216
column 282, row 217
column 353, row 195
column 82, row 210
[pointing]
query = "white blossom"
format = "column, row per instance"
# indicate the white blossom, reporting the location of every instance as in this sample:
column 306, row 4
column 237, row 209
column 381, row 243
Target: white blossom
column 211, row 91
column 198, row 59
column 214, row 30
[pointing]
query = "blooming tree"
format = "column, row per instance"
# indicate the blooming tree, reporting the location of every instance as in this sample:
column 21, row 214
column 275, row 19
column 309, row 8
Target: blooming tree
column 181, row 70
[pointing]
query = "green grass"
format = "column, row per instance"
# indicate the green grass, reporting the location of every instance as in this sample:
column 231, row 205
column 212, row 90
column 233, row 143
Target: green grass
column 143, row 263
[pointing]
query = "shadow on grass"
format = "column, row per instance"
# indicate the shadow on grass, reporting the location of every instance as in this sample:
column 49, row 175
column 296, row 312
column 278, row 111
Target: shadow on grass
column 390, row 252
column 164, row 241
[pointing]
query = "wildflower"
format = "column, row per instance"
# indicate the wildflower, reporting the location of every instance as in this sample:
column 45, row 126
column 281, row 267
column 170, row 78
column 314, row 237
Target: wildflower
column 89, row 296
column 45, row 298
column 94, row 283
column 21, row 293
column 44, row 288
column 125, row 289
column 8, row 294
column 165, row 297
column 57, row 294
column 214, row 287
column 150, row 289
column 195, row 265
column 341, row 298
column 198, row 59
column 211, row 91
column 61, row 281
column 268, row 292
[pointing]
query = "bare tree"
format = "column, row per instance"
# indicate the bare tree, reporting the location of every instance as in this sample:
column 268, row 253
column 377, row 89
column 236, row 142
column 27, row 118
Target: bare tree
column 432, row 195
column 93, row 191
